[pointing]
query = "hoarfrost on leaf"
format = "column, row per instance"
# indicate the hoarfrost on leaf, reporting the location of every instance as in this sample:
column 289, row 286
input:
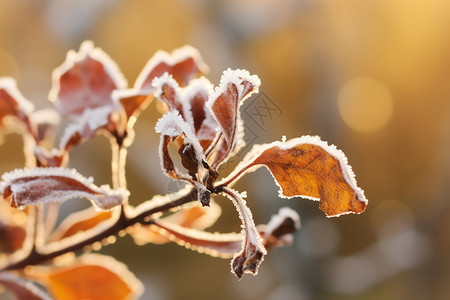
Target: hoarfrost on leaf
column 310, row 168
column 85, row 80
column 42, row 185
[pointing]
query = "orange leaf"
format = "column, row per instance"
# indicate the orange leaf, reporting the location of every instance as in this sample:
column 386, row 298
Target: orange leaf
column 310, row 168
column 92, row 276
column 80, row 222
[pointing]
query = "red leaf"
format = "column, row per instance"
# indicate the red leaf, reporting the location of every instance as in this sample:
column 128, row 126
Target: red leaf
column 183, row 64
column 235, row 86
column 12, row 103
column 21, row 288
column 91, row 276
column 41, row 185
column 85, row 81
column 308, row 167
column 197, row 94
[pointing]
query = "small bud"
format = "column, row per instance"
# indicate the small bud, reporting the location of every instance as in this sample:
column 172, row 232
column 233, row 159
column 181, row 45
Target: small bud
column 204, row 196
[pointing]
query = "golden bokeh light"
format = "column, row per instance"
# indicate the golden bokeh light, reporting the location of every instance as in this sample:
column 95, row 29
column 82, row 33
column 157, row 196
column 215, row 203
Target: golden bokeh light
column 365, row 105
column 8, row 65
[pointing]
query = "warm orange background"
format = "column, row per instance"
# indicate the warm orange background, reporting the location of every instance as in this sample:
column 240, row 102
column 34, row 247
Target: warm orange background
column 372, row 77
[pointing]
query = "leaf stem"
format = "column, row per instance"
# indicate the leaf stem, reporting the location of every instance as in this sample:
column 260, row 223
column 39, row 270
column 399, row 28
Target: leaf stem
column 36, row 257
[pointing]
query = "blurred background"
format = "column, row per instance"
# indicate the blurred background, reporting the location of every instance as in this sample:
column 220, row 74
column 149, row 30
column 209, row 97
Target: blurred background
column 372, row 77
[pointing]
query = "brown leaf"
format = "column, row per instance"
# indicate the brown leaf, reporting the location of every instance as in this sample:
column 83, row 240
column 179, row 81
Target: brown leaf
column 53, row 158
column 183, row 64
column 310, row 168
column 91, row 276
column 171, row 126
column 252, row 253
column 280, row 229
column 21, row 288
column 196, row 94
column 235, row 86
column 85, row 81
column 41, row 185
column 192, row 215
column 223, row 245
column 81, row 221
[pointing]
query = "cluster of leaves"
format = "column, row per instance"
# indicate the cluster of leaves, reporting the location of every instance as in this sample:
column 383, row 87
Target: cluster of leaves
column 203, row 123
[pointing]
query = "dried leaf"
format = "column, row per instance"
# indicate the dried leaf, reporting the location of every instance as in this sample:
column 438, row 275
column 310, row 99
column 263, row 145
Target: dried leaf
column 223, row 245
column 196, row 94
column 41, row 185
column 235, row 86
column 21, row 288
column 81, row 221
column 85, row 81
column 168, row 91
column 278, row 232
column 310, row 168
column 253, row 251
column 91, row 276
column 183, row 64
column 280, row 229
column 52, row 158
column 171, row 125
column 192, row 215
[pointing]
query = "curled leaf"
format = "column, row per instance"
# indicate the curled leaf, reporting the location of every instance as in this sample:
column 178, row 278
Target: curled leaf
column 310, row 168
column 91, row 276
column 41, row 185
column 21, row 288
column 235, row 86
column 280, row 229
column 196, row 94
column 253, row 251
column 85, row 81
column 183, row 64
column 278, row 232
column 171, row 126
